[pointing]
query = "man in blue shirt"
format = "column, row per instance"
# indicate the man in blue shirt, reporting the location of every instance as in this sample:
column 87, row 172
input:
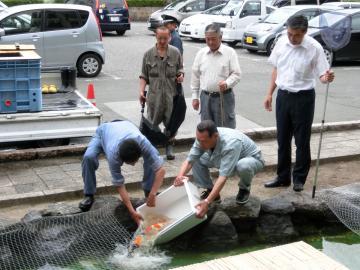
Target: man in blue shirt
column 121, row 142
column 226, row 149
column 171, row 23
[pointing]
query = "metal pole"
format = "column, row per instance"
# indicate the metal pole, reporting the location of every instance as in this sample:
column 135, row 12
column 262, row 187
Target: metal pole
column 320, row 141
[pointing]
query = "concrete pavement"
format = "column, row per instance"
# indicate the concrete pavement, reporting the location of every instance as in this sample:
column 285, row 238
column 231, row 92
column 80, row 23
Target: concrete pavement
column 60, row 177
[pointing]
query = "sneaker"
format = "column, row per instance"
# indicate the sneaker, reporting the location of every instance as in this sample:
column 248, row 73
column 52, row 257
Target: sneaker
column 169, row 152
column 298, row 187
column 243, row 196
column 206, row 193
column 86, row 203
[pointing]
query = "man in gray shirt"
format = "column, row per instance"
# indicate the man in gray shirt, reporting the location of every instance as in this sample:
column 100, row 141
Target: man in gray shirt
column 228, row 150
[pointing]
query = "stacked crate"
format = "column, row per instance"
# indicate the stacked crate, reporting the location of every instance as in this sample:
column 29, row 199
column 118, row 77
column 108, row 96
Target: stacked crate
column 20, row 89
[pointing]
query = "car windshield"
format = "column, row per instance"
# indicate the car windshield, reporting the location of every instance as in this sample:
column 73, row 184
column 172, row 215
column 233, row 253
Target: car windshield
column 175, row 4
column 234, row 5
column 214, row 10
column 279, row 16
column 326, row 19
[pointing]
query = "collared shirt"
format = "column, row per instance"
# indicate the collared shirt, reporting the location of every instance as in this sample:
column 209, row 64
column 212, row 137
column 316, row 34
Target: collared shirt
column 232, row 145
column 112, row 136
column 210, row 68
column 298, row 66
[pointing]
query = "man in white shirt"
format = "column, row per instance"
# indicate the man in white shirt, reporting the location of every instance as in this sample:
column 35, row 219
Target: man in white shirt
column 215, row 72
column 298, row 60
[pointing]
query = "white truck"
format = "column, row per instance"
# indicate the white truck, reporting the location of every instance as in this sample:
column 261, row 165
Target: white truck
column 237, row 15
column 27, row 114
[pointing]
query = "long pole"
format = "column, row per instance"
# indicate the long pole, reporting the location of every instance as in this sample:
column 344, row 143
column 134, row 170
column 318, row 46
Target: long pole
column 320, row 141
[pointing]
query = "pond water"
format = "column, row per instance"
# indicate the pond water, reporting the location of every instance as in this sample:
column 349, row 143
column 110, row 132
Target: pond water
column 343, row 247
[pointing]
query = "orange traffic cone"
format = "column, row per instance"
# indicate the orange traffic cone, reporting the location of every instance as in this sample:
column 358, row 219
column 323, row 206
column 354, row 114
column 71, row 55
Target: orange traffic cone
column 91, row 94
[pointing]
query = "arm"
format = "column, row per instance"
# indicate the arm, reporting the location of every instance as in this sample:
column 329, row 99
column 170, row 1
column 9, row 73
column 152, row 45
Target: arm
column 203, row 206
column 195, row 82
column 144, row 80
column 185, row 168
column 142, row 97
column 159, row 177
column 272, row 87
column 235, row 73
column 124, row 195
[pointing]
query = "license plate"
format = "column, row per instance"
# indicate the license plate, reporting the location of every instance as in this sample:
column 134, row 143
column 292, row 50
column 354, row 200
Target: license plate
column 114, row 19
column 249, row 40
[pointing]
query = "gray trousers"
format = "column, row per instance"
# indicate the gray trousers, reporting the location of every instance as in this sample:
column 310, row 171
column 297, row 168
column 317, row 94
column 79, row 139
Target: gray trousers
column 246, row 169
column 210, row 109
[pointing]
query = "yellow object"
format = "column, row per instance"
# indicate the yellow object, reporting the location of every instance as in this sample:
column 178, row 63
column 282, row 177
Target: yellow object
column 138, row 240
column 45, row 89
column 52, row 88
column 249, row 40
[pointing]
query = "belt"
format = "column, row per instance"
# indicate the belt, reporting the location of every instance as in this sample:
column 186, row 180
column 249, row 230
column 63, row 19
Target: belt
column 301, row 92
column 216, row 94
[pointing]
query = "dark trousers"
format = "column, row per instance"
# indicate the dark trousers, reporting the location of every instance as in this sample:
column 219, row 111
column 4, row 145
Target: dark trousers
column 294, row 117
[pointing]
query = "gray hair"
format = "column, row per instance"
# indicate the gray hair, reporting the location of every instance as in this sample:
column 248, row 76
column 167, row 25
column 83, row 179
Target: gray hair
column 298, row 22
column 213, row 28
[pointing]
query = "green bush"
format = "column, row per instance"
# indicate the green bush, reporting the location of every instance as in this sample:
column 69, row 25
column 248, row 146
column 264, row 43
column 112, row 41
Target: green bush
column 146, row 3
column 131, row 3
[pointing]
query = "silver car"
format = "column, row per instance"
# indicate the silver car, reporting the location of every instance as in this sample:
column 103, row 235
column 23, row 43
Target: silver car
column 64, row 35
column 260, row 35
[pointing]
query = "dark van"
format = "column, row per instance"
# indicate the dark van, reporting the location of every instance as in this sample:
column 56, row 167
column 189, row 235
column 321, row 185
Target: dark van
column 113, row 15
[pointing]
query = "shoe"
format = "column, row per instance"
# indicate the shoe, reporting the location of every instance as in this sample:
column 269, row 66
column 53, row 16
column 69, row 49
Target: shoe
column 298, row 187
column 243, row 196
column 206, row 193
column 86, row 203
column 277, row 183
column 169, row 152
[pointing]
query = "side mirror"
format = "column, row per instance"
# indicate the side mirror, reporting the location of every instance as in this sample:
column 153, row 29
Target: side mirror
column 232, row 13
column 2, row 32
column 188, row 9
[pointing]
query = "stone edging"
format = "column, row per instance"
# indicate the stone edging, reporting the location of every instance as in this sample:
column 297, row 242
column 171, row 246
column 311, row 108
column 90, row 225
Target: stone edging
column 79, row 149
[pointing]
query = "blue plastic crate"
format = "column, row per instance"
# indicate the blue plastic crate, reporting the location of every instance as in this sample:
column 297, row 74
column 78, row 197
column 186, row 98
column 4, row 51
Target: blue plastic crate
column 20, row 86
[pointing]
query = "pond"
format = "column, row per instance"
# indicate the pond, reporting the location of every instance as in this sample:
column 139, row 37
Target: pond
column 344, row 248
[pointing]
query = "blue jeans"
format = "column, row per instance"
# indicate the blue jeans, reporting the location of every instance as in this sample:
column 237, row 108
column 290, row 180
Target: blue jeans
column 246, row 169
column 90, row 164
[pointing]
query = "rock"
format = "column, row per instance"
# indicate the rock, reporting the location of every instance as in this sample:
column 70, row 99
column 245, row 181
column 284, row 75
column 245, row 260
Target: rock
column 244, row 217
column 33, row 215
column 218, row 233
column 275, row 228
column 277, row 205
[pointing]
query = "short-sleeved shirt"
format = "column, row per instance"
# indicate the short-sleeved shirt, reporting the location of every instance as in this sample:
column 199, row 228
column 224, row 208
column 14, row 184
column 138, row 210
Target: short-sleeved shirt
column 232, row 145
column 112, row 136
column 298, row 66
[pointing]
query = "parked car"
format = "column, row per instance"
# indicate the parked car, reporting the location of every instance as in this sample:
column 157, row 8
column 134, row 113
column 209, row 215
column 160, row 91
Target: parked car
column 113, row 15
column 194, row 26
column 352, row 50
column 64, row 35
column 342, row 4
column 283, row 3
column 260, row 36
column 180, row 10
column 2, row 6
column 237, row 15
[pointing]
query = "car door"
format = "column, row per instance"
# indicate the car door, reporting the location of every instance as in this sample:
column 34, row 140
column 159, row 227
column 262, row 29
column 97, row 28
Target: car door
column 24, row 28
column 64, row 38
column 352, row 50
column 251, row 12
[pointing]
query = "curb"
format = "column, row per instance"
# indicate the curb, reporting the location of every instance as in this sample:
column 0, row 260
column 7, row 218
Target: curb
column 79, row 149
column 61, row 194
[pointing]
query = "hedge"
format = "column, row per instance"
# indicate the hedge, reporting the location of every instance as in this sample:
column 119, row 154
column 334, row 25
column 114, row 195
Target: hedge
column 131, row 3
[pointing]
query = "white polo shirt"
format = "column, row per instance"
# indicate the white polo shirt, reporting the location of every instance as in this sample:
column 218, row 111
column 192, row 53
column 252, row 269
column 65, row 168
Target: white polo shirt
column 298, row 66
column 209, row 68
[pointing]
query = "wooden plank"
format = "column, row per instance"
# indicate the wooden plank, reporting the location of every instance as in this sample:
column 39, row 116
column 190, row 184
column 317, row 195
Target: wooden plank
column 294, row 256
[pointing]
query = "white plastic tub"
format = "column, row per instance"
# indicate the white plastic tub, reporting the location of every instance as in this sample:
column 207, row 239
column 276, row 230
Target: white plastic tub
column 178, row 204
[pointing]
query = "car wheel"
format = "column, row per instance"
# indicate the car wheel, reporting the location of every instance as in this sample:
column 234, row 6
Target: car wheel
column 232, row 43
column 251, row 50
column 270, row 46
column 120, row 32
column 329, row 56
column 89, row 65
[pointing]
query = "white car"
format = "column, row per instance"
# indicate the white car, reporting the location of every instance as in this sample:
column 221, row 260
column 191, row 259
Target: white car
column 194, row 26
